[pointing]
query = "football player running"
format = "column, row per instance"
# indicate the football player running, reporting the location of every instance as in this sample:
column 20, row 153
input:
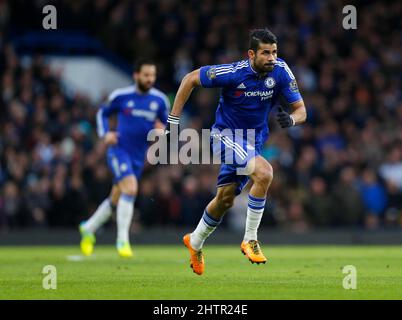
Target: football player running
column 139, row 108
column 250, row 90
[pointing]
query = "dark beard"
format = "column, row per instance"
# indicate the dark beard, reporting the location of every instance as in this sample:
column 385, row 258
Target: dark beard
column 142, row 87
column 262, row 71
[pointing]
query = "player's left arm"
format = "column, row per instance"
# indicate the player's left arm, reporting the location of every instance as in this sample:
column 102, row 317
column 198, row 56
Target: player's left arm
column 298, row 112
column 159, row 125
column 162, row 115
column 297, row 115
column 291, row 93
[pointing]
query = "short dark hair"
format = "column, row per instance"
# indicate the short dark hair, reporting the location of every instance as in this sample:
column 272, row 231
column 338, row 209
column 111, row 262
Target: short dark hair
column 260, row 35
column 142, row 61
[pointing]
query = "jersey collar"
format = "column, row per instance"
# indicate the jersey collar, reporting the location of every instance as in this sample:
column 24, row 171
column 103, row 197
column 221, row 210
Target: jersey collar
column 251, row 68
column 139, row 92
column 259, row 76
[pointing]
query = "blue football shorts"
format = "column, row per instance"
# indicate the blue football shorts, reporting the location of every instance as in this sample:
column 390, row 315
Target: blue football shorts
column 121, row 164
column 234, row 152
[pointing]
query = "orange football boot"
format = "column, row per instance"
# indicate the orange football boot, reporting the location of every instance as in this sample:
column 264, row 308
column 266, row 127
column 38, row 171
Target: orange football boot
column 252, row 251
column 196, row 257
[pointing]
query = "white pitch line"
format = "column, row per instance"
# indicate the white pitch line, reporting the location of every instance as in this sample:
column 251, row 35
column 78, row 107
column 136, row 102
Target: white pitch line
column 77, row 258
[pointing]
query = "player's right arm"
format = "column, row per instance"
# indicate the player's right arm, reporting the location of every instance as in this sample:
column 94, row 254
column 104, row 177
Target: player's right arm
column 102, row 122
column 208, row 77
column 189, row 82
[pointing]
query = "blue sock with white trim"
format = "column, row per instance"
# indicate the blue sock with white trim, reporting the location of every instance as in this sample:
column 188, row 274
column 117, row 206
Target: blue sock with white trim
column 205, row 227
column 255, row 210
column 125, row 208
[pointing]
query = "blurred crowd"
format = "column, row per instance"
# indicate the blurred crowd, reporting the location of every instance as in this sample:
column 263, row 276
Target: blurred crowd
column 342, row 168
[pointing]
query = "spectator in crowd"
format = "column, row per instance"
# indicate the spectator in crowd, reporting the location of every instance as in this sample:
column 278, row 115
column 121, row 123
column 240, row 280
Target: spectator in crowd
column 374, row 197
column 320, row 203
column 349, row 209
column 393, row 213
column 391, row 170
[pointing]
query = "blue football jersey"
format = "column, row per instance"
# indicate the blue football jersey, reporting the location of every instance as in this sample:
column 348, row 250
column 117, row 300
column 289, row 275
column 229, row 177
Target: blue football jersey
column 136, row 115
column 247, row 98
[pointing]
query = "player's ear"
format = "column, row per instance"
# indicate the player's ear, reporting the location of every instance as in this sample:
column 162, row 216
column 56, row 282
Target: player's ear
column 251, row 54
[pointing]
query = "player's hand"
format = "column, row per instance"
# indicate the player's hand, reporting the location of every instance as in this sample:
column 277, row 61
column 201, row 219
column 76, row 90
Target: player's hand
column 159, row 128
column 285, row 119
column 111, row 138
column 172, row 125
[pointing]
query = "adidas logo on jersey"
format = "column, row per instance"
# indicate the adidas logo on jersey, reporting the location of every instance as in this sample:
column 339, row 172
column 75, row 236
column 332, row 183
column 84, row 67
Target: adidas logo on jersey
column 241, row 86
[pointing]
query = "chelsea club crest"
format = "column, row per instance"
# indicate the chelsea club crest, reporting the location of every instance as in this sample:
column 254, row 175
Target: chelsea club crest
column 153, row 106
column 269, row 82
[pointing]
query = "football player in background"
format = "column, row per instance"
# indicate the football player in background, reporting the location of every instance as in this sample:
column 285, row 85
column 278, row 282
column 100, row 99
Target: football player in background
column 250, row 90
column 139, row 108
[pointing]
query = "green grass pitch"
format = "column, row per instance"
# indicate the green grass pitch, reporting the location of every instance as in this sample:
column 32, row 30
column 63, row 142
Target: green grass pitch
column 163, row 272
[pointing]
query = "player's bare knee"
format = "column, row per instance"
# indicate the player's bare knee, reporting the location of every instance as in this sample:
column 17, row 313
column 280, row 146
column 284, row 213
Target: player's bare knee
column 129, row 190
column 263, row 176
